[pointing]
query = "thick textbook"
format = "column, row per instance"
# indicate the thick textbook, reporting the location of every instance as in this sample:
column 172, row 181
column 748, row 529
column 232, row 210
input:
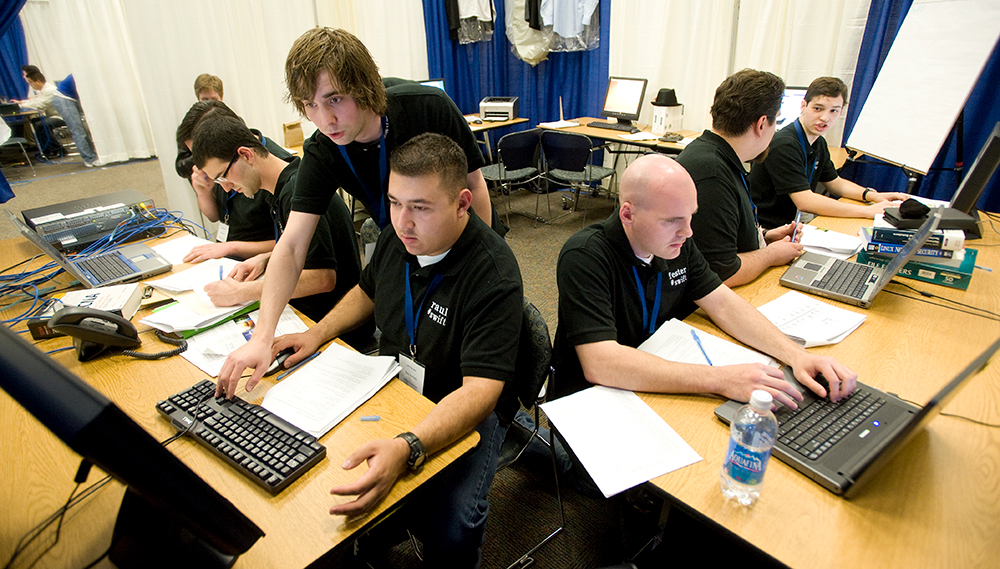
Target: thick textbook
column 924, row 270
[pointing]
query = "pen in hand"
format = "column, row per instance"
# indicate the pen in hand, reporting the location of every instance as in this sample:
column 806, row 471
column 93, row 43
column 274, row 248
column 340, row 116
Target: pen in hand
column 697, row 340
column 220, row 272
column 795, row 226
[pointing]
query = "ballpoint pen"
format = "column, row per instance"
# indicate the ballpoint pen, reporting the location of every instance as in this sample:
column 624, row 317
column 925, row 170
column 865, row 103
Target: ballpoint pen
column 795, row 228
column 295, row 367
column 697, row 340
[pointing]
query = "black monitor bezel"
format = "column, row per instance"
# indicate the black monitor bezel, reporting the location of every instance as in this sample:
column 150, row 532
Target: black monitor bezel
column 978, row 175
column 621, row 115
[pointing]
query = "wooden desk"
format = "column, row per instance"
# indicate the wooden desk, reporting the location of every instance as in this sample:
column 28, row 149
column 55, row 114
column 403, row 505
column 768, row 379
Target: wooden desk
column 485, row 127
column 935, row 504
column 37, row 472
column 608, row 135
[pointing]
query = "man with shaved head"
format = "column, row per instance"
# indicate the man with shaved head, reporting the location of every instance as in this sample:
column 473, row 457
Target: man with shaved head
column 621, row 278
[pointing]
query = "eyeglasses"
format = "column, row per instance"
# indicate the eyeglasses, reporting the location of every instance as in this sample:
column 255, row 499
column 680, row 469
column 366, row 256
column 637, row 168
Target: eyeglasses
column 221, row 178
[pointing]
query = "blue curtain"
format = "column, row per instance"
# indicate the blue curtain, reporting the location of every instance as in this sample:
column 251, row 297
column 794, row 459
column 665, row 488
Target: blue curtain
column 981, row 113
column 13, row 51
column 485, row 69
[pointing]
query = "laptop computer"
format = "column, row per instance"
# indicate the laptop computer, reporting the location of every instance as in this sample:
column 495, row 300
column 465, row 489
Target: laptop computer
column 129, row 263
column 865, row 441
column 849, row 281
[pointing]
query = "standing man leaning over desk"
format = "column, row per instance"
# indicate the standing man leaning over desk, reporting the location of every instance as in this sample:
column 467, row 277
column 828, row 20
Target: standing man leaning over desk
column 445, row 291
column 333, row 80
column 726, row 227
column 798, row 160
column 622, row 278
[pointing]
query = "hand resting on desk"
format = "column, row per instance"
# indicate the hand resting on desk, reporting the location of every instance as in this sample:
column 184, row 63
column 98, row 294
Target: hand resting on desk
column 386, row 463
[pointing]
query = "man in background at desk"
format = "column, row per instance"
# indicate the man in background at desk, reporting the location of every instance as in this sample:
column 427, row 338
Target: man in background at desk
column 798, row 160
column 726, row 227
column 332, row 265
column 622, row 278
column 446, row 293
column 245, row 227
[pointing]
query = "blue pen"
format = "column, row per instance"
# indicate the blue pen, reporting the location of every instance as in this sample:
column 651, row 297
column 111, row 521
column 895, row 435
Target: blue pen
column 220, row 272
column 795, row 228
column 697, row 340
column 295, row 367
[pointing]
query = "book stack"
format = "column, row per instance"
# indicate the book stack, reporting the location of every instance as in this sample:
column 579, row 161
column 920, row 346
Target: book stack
column 944, row 259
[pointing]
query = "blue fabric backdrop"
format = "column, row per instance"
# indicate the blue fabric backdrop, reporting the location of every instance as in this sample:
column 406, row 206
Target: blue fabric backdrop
column 13, row 51
column 982, row 112
column 484, row 69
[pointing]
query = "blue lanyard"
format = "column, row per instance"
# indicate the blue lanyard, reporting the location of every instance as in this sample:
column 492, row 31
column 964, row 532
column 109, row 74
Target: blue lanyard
column 649, row 320
column 810, row 168
column 377, row 200
column 410, row 315
column 753, row 206
column 229, row 199
column 276, row 216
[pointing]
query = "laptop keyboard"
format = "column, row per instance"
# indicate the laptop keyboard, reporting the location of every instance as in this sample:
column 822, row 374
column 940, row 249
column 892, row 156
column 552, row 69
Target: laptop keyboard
column 845, row 278
column 106, row 267
column 816, row 428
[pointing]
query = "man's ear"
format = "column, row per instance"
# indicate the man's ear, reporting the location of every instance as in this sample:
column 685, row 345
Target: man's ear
column 761, row 124
column 464, row 200
column 626, row 213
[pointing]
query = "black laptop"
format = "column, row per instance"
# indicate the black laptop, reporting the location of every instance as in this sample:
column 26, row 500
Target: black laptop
column 840, row 445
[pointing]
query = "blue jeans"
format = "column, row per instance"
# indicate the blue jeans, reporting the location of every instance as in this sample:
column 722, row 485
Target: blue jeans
column 69, row 110
column 448, row 513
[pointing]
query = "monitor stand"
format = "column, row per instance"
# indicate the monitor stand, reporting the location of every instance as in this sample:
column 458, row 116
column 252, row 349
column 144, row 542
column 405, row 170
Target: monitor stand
column 148, row 538
column 625, row 122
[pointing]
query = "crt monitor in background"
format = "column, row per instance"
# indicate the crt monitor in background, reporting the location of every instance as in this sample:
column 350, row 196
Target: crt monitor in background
column 169, row 515
column 979, row 174
column 791, row 106
column 439, row 83
column 623, row 99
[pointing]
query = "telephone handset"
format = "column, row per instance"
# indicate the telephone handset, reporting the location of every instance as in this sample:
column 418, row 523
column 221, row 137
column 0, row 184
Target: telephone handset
column 94, row 331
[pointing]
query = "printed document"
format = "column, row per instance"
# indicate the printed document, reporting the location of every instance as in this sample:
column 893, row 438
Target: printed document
column 673, row 341
column 809, row 321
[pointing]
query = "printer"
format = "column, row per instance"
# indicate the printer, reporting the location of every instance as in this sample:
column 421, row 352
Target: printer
column 498, row 108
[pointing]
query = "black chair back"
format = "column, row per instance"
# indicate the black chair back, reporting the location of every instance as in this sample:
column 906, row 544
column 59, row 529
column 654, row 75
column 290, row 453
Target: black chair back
column 534, row 354
column 566, row 150
column 519, row 149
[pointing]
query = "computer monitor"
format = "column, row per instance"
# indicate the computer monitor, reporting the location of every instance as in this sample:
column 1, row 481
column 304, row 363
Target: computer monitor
column 791, row 106
column 979, row 174
column 439, row 83
column 169, row 516
column 623, row 99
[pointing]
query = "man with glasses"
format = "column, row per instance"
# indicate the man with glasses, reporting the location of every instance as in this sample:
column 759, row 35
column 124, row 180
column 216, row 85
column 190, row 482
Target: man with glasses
column 332, row 265
column 245, row 227
column 725, row 227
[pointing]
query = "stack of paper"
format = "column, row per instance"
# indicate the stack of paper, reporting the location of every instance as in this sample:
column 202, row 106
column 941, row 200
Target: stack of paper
column 558, row 124
column 329, row 388
column 826, row 242
column 176, row 249
column 193, row 310
column 209, row 349
column 177, row 317
column 810, row 321
column 674, row 341
column 618, row 438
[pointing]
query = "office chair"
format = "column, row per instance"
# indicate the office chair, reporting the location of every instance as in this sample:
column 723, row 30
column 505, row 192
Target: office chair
column 569, row 160
column 19, row 141
column 517, row 163
column 534, row 357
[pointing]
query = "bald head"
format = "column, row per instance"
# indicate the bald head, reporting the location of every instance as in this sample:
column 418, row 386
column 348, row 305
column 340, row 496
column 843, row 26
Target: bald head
column 658, row 198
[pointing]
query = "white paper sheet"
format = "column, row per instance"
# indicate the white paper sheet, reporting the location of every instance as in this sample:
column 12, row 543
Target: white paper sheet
column 175, row 249
column 208, row 350
column 673, row 341
column 810, row 321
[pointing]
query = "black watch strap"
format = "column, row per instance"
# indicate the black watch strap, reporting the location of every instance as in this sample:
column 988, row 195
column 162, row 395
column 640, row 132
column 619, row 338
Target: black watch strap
column 417, row 452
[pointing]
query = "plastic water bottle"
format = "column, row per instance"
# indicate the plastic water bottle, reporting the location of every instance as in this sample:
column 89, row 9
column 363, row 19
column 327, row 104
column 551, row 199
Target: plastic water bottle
column 752, row 433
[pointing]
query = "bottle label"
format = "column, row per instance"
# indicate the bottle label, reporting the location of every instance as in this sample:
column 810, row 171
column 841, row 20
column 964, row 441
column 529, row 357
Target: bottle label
column 744, row 465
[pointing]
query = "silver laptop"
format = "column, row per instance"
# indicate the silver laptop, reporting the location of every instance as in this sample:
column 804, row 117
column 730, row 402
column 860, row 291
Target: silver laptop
column 128, row 263
column 849, row 281
column 865, row 430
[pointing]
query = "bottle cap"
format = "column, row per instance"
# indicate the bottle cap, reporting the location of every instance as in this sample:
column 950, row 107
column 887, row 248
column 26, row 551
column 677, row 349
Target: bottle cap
column 761, row 400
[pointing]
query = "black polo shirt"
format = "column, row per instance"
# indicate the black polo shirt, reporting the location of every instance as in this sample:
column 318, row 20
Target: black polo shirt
column 724, row 224
column 469, row 324
column 413, row 109
column 599, row 299
column 333, row 246
column 792, row 165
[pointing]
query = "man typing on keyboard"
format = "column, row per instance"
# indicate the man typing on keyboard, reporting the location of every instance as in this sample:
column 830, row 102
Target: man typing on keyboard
column 445, row 291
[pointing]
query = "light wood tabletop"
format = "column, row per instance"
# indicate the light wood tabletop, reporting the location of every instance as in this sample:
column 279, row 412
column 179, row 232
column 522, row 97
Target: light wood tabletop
column 37, row 472
column 614, row 135
column 937, row 502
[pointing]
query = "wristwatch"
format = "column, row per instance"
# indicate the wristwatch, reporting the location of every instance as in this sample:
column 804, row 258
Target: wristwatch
column 417, row 453
column 864, row 194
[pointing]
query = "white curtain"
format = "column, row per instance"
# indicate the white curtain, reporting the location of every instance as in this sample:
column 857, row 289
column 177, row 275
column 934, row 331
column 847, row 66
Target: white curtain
column 686, row 45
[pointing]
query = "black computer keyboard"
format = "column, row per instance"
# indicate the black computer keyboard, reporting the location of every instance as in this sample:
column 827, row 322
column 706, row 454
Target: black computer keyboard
column 613, row 126
column 814, row 429
column 269, row 450
column 107, row 267
column 845, row 277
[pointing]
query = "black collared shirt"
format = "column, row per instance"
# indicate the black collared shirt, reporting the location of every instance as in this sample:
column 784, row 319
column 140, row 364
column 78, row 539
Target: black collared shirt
column 599, row 300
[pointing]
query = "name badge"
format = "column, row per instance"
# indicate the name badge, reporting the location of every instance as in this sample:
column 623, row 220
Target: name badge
column 222, row 234
column 412, row 373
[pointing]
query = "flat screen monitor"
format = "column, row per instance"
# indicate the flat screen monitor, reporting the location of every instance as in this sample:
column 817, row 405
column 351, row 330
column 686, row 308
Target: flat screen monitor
column 169, row 516
column 791, row 106
column 979, row 174
column 439, row 83
column 623, row 99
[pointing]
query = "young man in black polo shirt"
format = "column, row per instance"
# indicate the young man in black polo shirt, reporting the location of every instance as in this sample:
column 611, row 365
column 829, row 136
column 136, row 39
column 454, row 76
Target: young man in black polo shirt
column 725, row 227
column 333, row 80
column 622, row 278
column 244, row 224
column 445, row 291
column 332, row 265
column 798, row 160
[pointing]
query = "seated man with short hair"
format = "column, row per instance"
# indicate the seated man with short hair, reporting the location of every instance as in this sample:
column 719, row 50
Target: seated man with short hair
column 798, row 160
column 445, row 291
column 332, row 266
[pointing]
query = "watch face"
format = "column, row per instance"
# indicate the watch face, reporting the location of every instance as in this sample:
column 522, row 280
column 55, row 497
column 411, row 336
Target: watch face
column 418, row 461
